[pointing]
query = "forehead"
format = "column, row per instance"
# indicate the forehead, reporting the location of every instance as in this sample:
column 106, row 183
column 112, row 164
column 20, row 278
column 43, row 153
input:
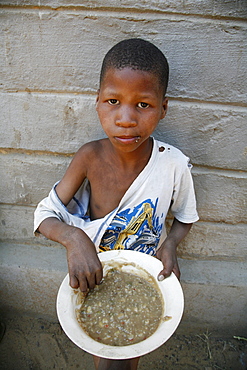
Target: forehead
column 131, row 79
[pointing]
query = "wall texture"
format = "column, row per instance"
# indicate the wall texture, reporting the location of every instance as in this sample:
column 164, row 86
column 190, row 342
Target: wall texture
column 50, row 55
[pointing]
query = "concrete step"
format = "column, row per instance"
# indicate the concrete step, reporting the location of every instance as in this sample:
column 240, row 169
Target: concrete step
column 215, row 291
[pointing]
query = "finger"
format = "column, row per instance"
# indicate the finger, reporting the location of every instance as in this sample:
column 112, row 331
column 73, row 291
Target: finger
column 83, row 284
column 94, row 278
column 164, row 274
column 73, row 281
column 167, row 270
column 91, row 281
column 99, row 276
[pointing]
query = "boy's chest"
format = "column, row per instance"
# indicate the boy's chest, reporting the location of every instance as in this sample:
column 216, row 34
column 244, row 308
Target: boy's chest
column 107, row 190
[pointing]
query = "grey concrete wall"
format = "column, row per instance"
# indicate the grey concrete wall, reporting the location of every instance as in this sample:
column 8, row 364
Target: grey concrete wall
column 50, row 55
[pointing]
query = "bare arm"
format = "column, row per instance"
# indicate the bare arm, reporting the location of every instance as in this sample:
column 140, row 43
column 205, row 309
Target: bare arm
column 167, row 251
column 85, row 270
column 74, row 176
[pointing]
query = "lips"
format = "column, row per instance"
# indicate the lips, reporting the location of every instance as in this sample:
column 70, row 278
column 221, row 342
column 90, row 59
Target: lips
column 127, row 139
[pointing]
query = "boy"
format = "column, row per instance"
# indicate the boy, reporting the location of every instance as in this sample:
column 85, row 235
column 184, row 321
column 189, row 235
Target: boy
column 117, row 191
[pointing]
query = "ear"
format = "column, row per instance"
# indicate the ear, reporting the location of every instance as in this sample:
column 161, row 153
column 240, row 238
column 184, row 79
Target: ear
column 164, row 107
column 97, row 98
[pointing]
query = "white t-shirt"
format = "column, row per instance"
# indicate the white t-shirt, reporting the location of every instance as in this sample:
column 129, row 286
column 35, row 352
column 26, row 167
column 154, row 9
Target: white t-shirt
column 138, row 223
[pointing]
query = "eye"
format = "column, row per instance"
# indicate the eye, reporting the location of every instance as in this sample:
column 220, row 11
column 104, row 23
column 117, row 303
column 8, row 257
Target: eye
column 113, row 101
column 143, row 105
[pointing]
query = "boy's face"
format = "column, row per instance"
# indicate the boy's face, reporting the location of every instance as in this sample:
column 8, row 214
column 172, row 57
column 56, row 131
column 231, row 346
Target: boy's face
column 130, row 104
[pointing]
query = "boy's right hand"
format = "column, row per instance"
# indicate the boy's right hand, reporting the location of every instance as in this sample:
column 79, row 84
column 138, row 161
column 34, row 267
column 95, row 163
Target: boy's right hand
column 85, row 269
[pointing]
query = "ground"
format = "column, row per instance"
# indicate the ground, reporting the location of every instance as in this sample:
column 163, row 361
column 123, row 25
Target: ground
column 38, row 343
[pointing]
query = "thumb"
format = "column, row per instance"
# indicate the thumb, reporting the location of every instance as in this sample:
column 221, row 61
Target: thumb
column 167, row 270
column 164, row 274
column 168, row 265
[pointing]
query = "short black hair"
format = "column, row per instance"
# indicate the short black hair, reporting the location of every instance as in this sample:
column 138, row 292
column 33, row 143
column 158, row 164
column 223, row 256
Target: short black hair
column 137, row 54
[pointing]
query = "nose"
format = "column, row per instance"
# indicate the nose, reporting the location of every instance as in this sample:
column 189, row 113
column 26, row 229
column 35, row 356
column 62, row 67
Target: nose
column 126, row 117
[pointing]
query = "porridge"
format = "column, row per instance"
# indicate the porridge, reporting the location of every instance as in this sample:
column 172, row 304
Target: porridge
column 123, row 310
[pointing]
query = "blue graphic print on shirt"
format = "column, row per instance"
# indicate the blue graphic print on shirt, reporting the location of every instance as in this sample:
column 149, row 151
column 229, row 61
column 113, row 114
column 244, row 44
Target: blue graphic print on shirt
column 136, row 229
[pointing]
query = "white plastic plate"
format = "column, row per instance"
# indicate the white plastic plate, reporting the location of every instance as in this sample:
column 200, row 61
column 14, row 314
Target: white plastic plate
column 173, row 306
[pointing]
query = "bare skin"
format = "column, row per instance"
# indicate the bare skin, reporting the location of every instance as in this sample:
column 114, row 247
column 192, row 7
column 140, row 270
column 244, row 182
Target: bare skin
column 130, row 104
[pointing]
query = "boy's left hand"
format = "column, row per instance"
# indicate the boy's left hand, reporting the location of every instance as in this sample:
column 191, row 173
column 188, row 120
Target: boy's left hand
column 167, row 255
column 167, row 252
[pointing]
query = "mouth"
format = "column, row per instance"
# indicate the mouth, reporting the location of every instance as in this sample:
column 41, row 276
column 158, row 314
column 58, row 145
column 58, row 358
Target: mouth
column 127, row 139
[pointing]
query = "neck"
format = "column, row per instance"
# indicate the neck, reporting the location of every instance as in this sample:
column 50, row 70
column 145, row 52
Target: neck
column 139, row 157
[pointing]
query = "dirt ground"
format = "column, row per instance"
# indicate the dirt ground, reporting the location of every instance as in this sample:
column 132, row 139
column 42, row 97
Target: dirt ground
column 39, row 343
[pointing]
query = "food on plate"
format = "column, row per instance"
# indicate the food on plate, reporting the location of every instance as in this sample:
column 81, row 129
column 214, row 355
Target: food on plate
column 125, row 309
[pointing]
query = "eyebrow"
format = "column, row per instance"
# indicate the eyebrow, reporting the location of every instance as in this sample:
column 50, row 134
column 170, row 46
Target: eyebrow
column 117, row 94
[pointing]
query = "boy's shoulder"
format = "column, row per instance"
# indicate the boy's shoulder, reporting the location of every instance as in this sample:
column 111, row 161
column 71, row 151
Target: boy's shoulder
column 171, row 152
column 88, row 155
column 91, row 148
